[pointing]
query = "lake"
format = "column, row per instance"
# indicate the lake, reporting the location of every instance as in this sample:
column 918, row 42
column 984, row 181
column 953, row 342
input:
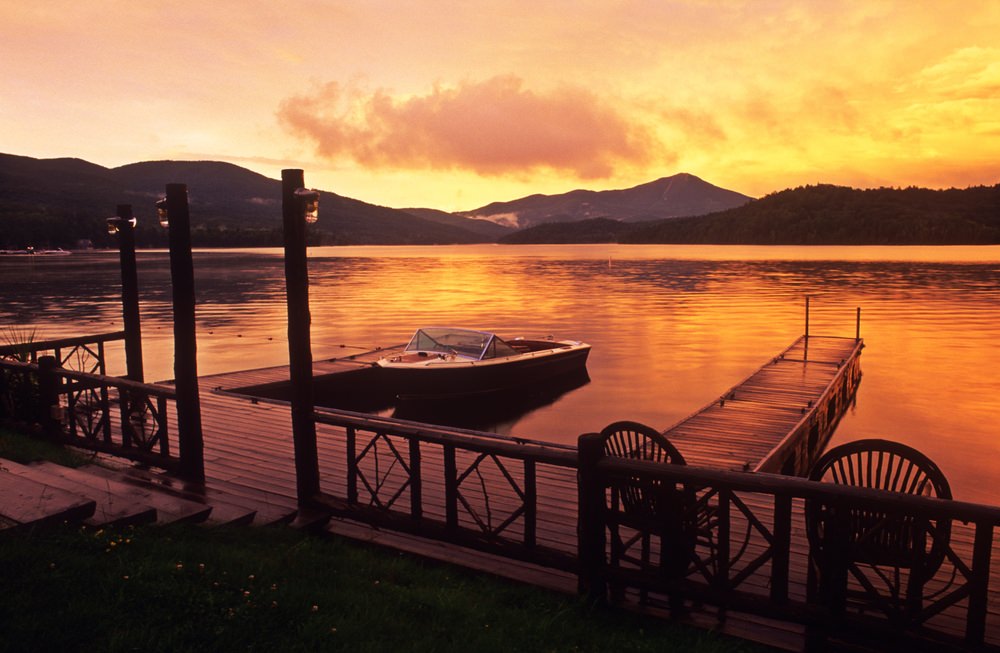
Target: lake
column 672, row 327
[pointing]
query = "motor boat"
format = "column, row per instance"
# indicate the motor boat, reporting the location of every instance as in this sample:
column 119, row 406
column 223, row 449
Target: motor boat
column 448, row 361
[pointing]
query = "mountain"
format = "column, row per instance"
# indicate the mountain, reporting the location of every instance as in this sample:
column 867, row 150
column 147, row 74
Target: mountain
column 670, row 197
column 57, row 202
column 810, row 215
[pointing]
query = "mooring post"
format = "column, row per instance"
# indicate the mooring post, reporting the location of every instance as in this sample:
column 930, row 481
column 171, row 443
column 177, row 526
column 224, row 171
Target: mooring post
column 857, row 325
column 189, row 433
column 805, row 353
column 125, row 228
column 49, row 411
column 590, row 527
column 299, row 340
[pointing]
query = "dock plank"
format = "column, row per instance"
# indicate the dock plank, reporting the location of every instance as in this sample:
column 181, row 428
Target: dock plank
column 751, row 419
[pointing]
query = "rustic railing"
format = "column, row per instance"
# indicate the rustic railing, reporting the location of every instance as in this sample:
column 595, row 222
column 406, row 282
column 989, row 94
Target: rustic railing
column 82, row 353
column 747, row 546
column 748, row 551
column 396, row 473
column 92, row 411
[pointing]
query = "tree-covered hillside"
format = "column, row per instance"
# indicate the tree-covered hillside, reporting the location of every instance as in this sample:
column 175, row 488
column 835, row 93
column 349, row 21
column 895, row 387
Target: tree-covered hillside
column 58, row 202
column 810, row 215
column 835, row 215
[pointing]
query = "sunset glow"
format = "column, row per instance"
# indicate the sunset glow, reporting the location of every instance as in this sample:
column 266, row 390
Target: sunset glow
column 453, row 106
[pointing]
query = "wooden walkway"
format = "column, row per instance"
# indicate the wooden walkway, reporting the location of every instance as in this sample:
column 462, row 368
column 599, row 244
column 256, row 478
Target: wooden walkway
column 267, row 381
column 754, row 423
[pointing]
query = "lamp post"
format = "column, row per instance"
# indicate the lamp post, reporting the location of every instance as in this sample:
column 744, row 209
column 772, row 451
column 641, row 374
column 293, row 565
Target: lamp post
column 123, row 225
column 173, row 213
column 299, row 207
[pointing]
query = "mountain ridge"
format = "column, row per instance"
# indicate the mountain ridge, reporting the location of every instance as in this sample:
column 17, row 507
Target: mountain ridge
column 63, row 201
column 680, row 195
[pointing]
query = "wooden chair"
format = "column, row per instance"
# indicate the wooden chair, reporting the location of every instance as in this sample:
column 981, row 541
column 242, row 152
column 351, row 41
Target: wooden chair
column 649, row 508
column 874, row 546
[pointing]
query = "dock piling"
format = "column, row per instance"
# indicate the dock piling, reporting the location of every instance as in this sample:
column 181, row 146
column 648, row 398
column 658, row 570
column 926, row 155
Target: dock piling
column 130, row 293
column 299, row 339
column 189, row 431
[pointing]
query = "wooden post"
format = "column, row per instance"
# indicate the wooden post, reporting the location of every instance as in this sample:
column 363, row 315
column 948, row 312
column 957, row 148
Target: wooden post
column 189, row 434
column 805, row 354
column 857, row 325
column 590, row 527
column 975, row 628
column 130, row 294
column 48, row 397
column 416, row 481
column 299, row 342
column 781, row 548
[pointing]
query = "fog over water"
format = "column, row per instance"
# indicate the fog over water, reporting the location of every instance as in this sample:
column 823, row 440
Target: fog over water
column 672, row 327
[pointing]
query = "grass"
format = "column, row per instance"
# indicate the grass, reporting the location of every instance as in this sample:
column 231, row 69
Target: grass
column 26, row 449
column 190, row 588
column 275, row 589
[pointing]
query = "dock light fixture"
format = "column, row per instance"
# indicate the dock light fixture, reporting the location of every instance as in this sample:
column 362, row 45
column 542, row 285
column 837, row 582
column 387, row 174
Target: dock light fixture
column 310, row 204
column 115, row 224
column 161, row 212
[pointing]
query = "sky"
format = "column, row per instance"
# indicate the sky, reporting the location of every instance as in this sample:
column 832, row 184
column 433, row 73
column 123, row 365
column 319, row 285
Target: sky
column 453, row 105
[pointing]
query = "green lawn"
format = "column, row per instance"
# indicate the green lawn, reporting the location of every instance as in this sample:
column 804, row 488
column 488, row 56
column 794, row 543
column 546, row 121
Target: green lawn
column 274, row 589
column 194, row 588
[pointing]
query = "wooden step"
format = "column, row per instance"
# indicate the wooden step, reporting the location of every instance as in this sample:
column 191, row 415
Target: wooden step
column 92, row 479
column 29, row 503
column 228, row 507
column 112, row 508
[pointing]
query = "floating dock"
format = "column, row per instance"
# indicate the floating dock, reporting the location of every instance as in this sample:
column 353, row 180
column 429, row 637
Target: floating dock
column 780, row 418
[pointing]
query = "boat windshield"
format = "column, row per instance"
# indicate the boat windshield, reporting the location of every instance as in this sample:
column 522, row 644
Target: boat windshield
column 476, row 345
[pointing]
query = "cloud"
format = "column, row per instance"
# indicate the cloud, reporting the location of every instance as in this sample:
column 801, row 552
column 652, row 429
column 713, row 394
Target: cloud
column 493, row 127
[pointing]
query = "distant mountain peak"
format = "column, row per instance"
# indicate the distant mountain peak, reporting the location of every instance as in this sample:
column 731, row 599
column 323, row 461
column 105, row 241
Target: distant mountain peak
column 677, row 196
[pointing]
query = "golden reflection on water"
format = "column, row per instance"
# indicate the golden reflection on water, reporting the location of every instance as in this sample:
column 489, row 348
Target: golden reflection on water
column 672, row 327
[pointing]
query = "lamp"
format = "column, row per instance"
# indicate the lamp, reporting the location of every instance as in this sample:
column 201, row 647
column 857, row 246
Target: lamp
column 161, row 212
column 310, row 204
column 115, row 224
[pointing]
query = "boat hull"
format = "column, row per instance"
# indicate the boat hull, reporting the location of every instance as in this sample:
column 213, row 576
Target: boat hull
column 470, row 378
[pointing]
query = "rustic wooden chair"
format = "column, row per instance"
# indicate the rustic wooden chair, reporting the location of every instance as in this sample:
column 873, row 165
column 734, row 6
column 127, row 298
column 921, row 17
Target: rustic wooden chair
column 875, row 546
column 649, row 508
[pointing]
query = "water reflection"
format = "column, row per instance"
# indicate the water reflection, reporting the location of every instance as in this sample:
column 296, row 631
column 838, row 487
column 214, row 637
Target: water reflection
column 672, row 327
column 498, row 412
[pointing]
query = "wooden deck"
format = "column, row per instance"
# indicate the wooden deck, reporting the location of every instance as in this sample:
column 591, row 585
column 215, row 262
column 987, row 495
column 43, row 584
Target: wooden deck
column 266, row 381
column 249, row 465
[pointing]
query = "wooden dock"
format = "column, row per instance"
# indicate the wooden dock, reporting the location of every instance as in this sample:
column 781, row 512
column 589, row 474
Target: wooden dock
column 270, row 381
column 780, row 417
column 777, row 419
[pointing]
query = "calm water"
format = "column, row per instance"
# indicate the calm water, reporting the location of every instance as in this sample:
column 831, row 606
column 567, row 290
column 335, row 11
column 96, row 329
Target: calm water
column 672, row 327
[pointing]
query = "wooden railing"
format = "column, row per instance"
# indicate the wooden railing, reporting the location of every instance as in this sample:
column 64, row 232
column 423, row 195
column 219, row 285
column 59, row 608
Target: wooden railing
column 82, row 353
column 748, row 551
column 93, row 411
column 466, row 487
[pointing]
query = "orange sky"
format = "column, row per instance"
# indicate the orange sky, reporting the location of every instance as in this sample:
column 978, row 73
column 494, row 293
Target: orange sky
column 453, row 105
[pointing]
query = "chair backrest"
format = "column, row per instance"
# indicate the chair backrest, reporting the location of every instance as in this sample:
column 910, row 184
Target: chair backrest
column 879, row 537
column 634, row 440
